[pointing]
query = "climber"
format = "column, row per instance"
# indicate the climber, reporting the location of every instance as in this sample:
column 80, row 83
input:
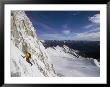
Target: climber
column 27, row 56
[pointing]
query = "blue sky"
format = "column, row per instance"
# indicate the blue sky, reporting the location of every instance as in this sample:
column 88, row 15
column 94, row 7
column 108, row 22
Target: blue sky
column 66, row 25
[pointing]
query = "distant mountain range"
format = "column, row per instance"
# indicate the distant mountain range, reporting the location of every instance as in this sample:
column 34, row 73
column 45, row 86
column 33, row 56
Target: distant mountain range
column 87, row 49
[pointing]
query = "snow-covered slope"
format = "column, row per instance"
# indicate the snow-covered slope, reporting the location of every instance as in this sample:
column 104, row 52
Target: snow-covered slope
column 68, row 63
column 23, row 37
column 51, row 62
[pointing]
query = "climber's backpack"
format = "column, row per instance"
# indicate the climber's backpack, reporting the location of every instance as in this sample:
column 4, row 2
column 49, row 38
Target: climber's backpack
column 29, row 55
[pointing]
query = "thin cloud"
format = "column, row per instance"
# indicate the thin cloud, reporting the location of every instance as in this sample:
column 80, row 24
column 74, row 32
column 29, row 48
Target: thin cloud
column 88, row 36
column 93, row 28
column 93, row 36
column 66, row 32
column 66, row 29
column 52, row 36
column 95, row 21
column 95, row 18
column 46, row 27
column 88, row 26
column 74, row 14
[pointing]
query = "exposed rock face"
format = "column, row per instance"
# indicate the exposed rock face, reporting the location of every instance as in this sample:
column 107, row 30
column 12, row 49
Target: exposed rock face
column 24, row 38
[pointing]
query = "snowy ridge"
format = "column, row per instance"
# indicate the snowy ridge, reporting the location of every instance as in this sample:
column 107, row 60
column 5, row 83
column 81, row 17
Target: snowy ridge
column 23, row 37
column 62, row 51
column 68, row 63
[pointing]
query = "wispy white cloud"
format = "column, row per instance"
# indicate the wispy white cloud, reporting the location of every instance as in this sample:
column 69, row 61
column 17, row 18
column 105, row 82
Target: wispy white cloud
column 95, row 18
column 93, row 36
column 95, row 22
column 94, row 29
column 88, row 36
column 66, row 32
column 74, row 14
column 53, row 36
column 66, row 29
column 88, row 26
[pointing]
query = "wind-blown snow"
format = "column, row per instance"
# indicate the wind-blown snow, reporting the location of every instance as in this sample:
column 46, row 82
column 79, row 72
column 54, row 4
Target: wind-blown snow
column 51, row 62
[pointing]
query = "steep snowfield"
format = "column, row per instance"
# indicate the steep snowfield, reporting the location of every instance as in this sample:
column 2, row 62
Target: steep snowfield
column 19, row 67
column 50, row 62
column 23, row 37
column 69, row 65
